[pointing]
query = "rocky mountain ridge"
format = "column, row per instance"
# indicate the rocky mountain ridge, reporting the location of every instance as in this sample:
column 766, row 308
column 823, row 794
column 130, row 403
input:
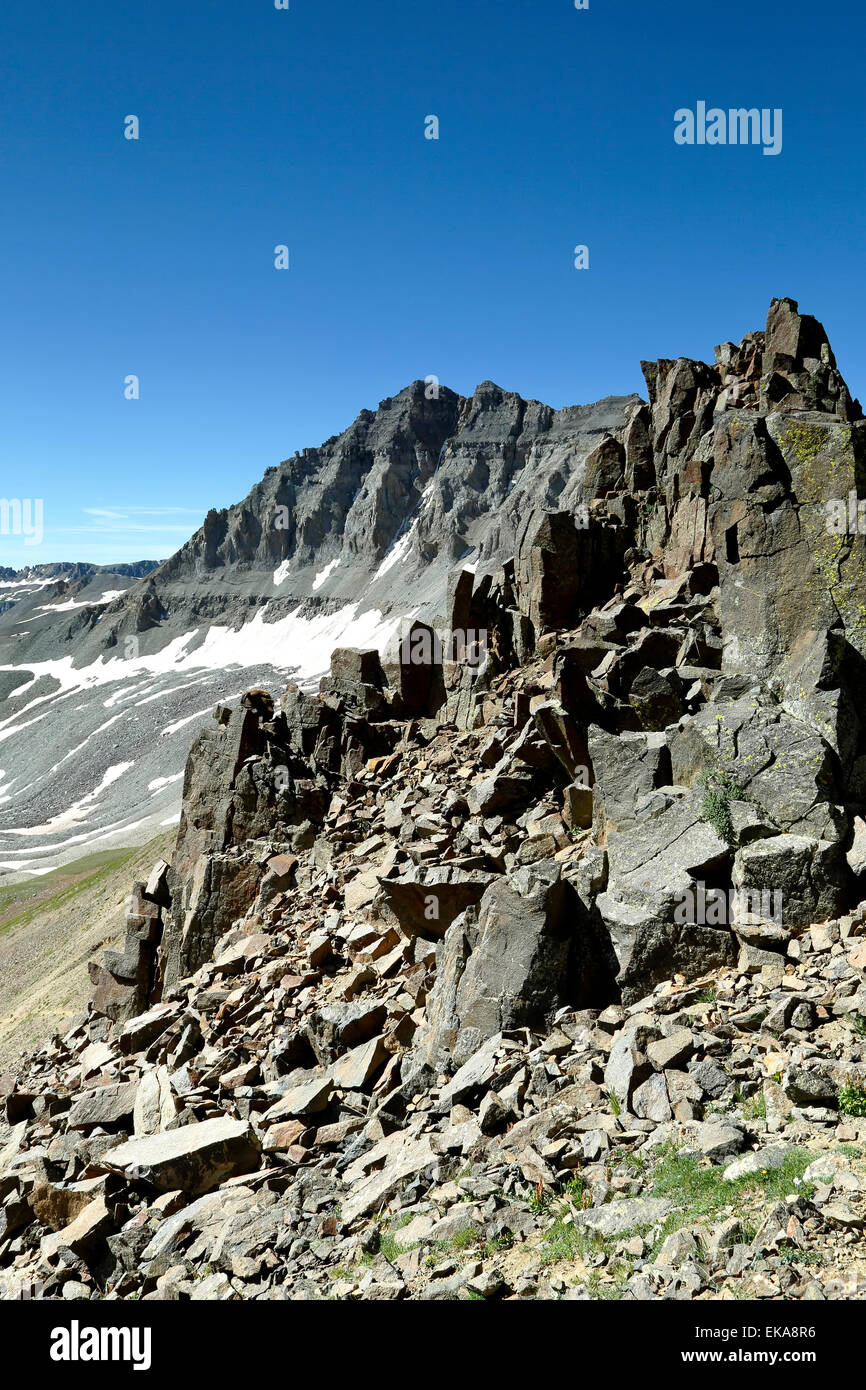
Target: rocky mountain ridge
column 527, row 968
column 336, row 545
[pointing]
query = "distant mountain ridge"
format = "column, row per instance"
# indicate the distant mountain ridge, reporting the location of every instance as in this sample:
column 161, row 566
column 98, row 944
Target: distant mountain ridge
column 76, row 569
column 106, row 681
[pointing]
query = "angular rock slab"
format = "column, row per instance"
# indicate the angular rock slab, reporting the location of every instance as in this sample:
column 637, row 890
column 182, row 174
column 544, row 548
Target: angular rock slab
column 194, row 1158
column 652, row 867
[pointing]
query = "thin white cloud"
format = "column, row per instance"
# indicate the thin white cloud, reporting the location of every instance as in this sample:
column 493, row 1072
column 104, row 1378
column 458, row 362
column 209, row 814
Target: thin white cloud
column 143, row 511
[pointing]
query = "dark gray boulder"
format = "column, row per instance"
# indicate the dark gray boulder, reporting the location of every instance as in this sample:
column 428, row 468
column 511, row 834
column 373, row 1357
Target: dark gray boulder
column 529, row 947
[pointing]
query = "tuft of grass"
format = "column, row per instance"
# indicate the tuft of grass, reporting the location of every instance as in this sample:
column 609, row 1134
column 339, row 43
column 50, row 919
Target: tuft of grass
column 464, row 1239
column 492, row 1247
column 702, row 1191
column 720, row 789
column 565, row 1242
column 716, row 809
column 852, row 1097
column 385, row 1243
column 754, row 1107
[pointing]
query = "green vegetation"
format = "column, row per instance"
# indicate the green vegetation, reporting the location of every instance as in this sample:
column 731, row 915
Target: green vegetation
column 852, row 1097
column 702, row 1192
column 701, row 1195
column 384, row 1243
column 22, row 903
column 755, row 1107
column 463, row 1239
column 565, row 1241
column 720, row 789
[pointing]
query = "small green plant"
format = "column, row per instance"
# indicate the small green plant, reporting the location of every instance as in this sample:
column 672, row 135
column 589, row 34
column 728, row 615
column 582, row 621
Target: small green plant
column 754, row 1107
column 852, row 1097
column 538, row 1199
column 716, row 809
column 720, row 789
column 564, row 1241
column 575, row 1188
column 792, row 1256
column 615, row 1106
column 383, row 1242
column 464, row 1239
column 501, row 1242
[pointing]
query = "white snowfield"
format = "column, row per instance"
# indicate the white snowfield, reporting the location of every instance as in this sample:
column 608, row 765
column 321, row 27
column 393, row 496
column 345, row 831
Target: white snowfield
column 292, row 643
column 78, row 810
column 94, row 799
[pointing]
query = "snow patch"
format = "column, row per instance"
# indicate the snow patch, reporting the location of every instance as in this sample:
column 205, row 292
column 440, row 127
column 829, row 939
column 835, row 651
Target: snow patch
column 323, row 574
column 62, row 607
column 79, row 809
column 159, row 782
column 398, row 550
column 19, row 869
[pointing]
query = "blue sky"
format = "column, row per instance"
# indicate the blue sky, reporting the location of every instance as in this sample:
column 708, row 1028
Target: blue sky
column 409, row 257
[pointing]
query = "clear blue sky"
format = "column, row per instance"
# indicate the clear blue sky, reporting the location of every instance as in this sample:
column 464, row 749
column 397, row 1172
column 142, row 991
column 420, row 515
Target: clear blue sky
column 408, row 256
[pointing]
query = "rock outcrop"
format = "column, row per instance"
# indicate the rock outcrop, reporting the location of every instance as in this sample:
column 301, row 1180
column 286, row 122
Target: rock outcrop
column 512, row 920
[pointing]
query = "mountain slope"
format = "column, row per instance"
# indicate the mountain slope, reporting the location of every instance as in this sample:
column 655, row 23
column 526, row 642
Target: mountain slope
column 334, row 546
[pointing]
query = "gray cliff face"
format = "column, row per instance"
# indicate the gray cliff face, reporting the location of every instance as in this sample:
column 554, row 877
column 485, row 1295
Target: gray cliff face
column 387, row 509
